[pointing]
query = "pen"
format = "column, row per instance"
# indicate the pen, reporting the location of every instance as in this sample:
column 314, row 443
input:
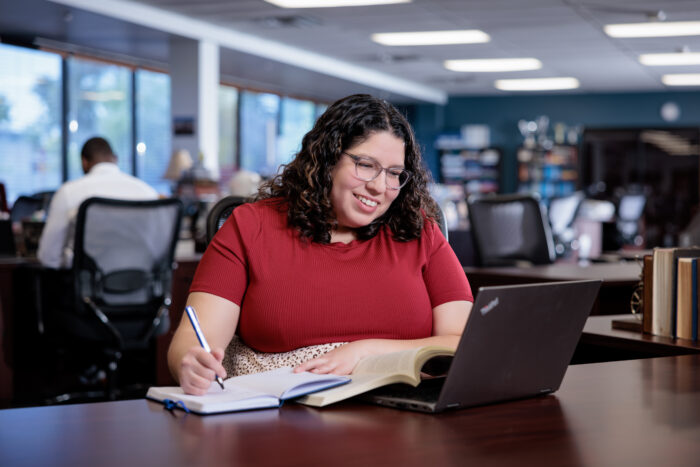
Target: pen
column 192, row 315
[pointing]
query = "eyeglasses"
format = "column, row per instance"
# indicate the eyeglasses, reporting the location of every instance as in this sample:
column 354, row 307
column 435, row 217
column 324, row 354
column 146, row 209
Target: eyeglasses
column 367, row 169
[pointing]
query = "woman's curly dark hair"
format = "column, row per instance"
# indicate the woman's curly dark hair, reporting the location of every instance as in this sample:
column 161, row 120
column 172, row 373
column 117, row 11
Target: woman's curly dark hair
column 305, row 183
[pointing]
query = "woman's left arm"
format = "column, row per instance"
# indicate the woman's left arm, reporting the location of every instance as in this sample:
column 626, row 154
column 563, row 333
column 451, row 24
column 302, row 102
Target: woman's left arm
column 449, row 320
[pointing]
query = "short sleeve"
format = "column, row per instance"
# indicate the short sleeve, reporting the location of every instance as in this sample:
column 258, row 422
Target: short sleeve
column 443, row 274
column 223, row 269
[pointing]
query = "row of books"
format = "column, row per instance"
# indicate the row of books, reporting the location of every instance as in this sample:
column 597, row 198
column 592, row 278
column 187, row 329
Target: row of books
column 670, row 284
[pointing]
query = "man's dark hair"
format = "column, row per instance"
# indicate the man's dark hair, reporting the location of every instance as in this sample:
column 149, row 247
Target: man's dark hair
column 97, row 149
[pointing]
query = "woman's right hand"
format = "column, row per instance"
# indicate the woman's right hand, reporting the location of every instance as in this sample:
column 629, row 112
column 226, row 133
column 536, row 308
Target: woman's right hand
column 193, row 367
column 198, row 369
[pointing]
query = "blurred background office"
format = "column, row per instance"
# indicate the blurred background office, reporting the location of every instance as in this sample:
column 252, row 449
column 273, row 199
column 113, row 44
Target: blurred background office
column 606, row 111
column 578, row 119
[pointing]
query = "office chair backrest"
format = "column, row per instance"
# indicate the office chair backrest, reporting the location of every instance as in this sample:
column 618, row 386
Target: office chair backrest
column 442, row 222
column 220, row 212
column 510, row 229
column 124, row 250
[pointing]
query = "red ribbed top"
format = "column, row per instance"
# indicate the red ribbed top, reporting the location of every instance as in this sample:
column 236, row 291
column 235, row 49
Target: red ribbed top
column 296, row 293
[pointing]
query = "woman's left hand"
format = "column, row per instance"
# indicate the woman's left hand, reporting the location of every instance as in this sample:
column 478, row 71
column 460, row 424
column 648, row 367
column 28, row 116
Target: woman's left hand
column 340, row 361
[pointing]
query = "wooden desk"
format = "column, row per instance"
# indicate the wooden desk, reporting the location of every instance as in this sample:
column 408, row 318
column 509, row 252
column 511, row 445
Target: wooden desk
column 640, row 412
column 619, row 280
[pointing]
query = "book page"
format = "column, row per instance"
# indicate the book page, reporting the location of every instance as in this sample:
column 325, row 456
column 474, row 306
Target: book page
column 284, row 383
column 406, row 362
column 379, row 370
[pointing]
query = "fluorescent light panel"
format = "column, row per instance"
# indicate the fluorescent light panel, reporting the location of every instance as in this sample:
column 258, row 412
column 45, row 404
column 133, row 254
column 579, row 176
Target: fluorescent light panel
column 537, row 84
column 656, row 29
column 681, row 79
column 682, row 58
column 464, row 36
column 493, row 64
column 331, row 3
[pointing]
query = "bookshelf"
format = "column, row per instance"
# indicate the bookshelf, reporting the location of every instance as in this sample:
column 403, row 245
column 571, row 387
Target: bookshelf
column 549, row 172
column 475, row 170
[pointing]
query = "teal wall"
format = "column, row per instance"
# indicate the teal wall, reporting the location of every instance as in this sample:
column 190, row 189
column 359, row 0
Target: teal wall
column 502, row 115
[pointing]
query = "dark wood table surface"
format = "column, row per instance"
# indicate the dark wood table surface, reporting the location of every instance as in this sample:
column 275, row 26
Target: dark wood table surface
column 638, row 412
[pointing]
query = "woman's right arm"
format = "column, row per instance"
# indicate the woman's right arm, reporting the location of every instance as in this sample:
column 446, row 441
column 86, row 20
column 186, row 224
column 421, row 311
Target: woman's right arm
column 189, row 363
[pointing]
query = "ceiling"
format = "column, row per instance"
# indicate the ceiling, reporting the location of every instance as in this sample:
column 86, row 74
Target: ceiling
column 565, row 35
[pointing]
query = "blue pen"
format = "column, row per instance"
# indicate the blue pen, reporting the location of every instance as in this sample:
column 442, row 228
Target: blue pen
column 192, row 315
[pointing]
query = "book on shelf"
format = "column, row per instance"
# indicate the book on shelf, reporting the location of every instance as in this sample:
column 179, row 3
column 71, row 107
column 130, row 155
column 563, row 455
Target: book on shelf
column 665, row 270
column 405, row 366
column 647, row 295
column 254, row 391
column 686, row 298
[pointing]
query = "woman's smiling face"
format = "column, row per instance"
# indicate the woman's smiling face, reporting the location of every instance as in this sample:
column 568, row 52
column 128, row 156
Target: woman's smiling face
column 357, row 203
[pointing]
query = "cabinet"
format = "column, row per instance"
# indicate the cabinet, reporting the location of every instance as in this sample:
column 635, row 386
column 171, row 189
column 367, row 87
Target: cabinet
column 475, row 170
column 549, row 172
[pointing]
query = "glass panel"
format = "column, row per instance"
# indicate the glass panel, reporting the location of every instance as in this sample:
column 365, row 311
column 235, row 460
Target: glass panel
column 259, row 112
column 297, row 118
column 153, row 134
column 320, row 108
column 228, row 129
column 30, row 121
column 99, row 104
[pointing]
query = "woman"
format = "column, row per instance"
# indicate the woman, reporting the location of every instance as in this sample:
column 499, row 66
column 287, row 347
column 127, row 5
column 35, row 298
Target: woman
column 338, row 259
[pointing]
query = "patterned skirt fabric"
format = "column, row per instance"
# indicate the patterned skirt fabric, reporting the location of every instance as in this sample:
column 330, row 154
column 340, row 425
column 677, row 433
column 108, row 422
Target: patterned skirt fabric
column 242, row 360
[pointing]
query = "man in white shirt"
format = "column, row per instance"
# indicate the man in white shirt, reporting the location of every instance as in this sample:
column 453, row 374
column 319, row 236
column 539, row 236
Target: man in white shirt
column 102, row 178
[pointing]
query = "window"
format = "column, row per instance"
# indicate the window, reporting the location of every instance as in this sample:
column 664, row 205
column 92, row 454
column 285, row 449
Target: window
column 153, row 134
column 105, row 99
column 272, row 129
column 228, row 129
column 259, row 112
column 30, row 120
column 99, row 104
column 297, row 117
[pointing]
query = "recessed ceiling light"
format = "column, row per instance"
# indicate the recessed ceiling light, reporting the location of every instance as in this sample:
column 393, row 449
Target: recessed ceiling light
column 536, row 84
column 682, row 79
column 464, row 36
column 494, row 64
column 655, row 29
column 681, row 58
column 330, row 3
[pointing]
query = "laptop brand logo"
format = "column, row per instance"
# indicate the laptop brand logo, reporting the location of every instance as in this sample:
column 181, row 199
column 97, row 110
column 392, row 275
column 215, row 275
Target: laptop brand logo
column 490, row 306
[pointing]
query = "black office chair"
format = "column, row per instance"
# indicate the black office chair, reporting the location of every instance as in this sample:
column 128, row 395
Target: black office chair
column 442, row 222
column 225, row 206
column 24, row 207
column 114, row 300
column 510, row 230
column 220, row 212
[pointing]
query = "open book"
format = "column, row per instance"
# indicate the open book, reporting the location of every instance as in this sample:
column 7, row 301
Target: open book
column 380, row 370
column 256, row 391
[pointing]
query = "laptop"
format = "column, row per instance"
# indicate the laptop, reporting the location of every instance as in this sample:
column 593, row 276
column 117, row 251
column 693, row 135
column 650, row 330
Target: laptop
column 517, row 343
